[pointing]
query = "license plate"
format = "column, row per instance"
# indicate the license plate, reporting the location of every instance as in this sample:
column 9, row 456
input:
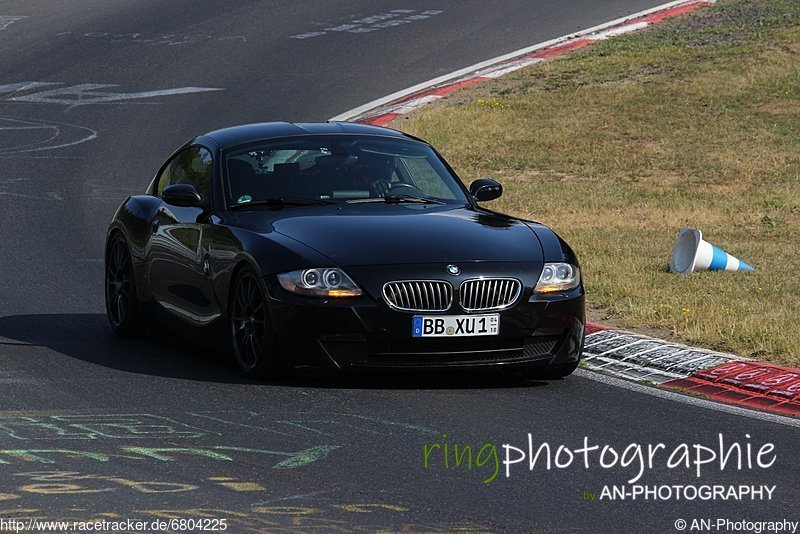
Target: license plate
column 455, row 325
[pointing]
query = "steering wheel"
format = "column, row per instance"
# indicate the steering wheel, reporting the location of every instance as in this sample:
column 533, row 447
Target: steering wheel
column 380, row 188
column 402, row 188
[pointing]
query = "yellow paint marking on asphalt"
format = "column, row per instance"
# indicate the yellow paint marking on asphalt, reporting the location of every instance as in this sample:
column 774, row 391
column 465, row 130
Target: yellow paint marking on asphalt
column 58, row 489
column 230, row 483
column 369, row 507
column 284, row 510
column 243, row 486
column 18, row 512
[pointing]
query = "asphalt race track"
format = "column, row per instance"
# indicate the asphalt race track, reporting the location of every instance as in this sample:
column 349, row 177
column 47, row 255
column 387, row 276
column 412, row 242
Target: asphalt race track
column 94, row 95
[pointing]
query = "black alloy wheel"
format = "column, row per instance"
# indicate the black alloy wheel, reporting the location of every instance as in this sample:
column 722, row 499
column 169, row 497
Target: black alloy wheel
column 122, row 306
column 251, row 331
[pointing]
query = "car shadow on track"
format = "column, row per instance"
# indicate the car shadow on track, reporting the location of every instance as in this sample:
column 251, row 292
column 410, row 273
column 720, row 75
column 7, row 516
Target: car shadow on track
column 89, row 338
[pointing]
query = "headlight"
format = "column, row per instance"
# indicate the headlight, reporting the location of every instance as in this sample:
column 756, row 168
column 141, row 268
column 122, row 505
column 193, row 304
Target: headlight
column 321, row 282
column 557, row 277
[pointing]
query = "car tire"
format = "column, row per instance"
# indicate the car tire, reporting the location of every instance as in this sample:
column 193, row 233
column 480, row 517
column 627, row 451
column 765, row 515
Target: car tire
column 252, row 338
column 122, row 304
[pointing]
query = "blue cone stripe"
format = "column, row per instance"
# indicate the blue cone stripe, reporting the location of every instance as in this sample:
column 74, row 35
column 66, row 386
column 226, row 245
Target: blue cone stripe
column 744, row 267
column 718, row 260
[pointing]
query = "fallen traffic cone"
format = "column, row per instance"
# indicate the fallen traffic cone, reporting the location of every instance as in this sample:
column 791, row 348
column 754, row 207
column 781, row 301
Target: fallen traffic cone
column 693, row 253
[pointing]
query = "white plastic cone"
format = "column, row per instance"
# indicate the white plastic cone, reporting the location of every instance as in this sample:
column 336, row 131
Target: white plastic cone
column 693, row 253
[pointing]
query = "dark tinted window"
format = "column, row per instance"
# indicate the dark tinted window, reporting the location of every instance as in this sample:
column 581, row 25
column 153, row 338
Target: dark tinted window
column 337, row 167
column 189, row 166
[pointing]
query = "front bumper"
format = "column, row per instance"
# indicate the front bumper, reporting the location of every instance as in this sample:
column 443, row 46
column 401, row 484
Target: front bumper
column 367, row 334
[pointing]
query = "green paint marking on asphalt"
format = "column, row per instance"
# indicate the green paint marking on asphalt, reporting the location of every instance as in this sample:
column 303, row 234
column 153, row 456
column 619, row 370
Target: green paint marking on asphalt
column 159, row 453
column 220, row 420
column 301, row 458
column 33, row 455
column 295, row 459
column 303, row 425
column 93, row 426
column 389, row 423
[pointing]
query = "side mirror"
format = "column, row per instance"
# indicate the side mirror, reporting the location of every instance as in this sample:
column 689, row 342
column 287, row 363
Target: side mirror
column 484, row 189
column 184, row 195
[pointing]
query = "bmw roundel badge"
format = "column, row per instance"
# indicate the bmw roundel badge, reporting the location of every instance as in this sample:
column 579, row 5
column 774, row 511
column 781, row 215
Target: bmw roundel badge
column 455, row 270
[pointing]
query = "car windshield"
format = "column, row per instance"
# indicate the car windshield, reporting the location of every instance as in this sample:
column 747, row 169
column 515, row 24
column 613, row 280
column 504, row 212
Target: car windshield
column 337, row 168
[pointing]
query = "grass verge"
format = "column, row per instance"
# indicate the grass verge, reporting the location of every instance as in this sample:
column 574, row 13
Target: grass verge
column 695, row 122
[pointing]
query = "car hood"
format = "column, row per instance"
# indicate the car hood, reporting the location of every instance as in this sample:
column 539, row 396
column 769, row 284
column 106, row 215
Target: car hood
column 368, row 234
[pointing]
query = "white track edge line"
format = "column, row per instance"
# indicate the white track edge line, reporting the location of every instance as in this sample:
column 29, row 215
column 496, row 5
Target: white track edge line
column 685, row 399
column 360, row 110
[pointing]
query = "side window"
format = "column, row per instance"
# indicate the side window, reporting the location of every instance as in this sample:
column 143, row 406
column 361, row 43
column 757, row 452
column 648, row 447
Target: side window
column 189, row 166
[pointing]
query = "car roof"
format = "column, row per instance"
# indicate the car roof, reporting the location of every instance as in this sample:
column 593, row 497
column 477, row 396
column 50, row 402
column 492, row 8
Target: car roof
column 236, row 135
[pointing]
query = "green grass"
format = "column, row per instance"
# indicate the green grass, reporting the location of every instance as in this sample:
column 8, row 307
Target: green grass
column 687, row 391
column 695, row 122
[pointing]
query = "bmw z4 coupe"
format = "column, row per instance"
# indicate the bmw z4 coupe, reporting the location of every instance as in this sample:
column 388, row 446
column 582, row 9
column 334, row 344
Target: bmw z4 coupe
column 341, row 246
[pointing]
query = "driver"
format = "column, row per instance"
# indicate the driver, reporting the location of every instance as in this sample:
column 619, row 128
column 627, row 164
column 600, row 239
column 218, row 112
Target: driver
column 376, row 171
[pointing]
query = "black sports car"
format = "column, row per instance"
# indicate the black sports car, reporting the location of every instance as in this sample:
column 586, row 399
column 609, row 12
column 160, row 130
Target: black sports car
column 342, row 246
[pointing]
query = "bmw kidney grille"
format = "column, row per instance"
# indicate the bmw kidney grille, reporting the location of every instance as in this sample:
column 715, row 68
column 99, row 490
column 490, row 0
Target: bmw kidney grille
column 419, row 295
column 489, row 294
column 479, row 295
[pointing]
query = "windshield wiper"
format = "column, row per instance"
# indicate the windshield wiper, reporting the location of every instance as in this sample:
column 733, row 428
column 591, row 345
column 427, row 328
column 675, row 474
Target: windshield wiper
column 283, row 202
column 392, row 199
column 397, row 199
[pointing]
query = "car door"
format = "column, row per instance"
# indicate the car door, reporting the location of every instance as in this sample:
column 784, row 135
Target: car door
column 177, row 265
